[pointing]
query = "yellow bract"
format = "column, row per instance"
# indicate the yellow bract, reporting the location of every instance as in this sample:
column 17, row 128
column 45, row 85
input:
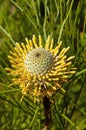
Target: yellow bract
column 35, row 68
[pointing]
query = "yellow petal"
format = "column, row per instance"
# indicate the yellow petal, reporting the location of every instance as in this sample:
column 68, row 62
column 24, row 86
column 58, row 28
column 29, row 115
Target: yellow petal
column 51, row 44
column 70, row 58
column 28, row 46
column 40, row 41
column 24, row 48
column 19, row 47
column 47, row 43
column 34, row 41
column 56, row 50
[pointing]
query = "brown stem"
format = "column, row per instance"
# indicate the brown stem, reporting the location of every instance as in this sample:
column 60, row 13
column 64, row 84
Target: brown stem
column 46, row 103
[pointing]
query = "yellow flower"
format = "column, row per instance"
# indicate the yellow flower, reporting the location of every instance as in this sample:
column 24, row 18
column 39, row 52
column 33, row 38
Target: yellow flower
column 39, row 70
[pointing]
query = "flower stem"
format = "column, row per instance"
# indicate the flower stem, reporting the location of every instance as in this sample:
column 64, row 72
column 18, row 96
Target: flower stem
column 46, row 103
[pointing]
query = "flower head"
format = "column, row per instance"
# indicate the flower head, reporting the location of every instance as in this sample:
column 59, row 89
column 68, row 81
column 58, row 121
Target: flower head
column 39, row 70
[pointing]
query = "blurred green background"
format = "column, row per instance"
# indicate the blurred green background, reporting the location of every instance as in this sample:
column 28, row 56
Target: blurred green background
column 64, row 20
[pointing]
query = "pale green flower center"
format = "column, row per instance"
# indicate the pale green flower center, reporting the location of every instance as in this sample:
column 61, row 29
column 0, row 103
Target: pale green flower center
column 39, row 61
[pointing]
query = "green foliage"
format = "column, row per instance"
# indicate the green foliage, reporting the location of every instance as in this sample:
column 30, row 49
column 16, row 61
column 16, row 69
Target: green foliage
column 64, row 20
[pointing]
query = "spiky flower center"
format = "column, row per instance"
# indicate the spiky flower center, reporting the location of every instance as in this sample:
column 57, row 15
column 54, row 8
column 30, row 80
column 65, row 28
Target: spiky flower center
column 38, row 61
